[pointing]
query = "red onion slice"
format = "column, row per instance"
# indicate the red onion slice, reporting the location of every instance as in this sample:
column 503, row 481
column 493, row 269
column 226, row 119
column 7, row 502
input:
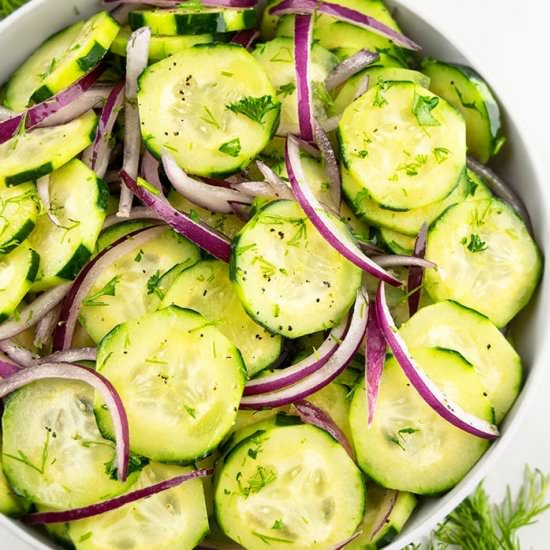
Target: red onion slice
column 395, row 260
column 138, row 213
column 303, row 33
column 99, row 150
column 343, row 13
column 46, row 327
column 7, row 369
column 321, row 220
column 300, row 370
column 215, row 199
column 177, row 3
column 501, row 189
column 88, row 100
column 280, row 188
column 330, row 124
column 311, row 414
column 43, row 189
column 343, row 544
column 374, row 362
column 201, row 234
column 362, row 87
column 150, row 170
column 68, row 371
column 416, row 274
column 246, row 38
column 254, row 189
column 6, row 113
column 34, row 312
column 391, row 502
column 40, row 112
column 429, row 391
column 114, row 503
column 327, row 373
column 350, row 66
column 82, row 285
column 331, row 166
column 137, row 57
column 18, row 354
column 69, row 356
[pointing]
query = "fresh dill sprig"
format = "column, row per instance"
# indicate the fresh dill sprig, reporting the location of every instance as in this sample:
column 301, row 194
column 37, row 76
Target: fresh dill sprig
column 478, row 524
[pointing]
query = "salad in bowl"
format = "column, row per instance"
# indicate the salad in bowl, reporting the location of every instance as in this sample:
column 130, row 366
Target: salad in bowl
column 257, row 277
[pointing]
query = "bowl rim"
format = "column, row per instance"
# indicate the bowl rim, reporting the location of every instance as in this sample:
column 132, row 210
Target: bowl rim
column 521, row 407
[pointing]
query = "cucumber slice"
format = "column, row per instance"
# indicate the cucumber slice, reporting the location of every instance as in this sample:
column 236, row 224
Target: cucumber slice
column 11, row 504
column 19, row 208
column 409, row 447
column 30, row 74
column 52, row 450
column 410, row 222
column 228, row 224
column 463, row 88
column 29, row 156
column 283, row 267
column 333, row 34
column 180, row 379
column 397, row 242
column 207, row 289
column 387, row 513
column 289, row 487
column 213, row 95
column 79, row 199
column 268, row 22
column 86, row 50
column 277, row 59
column 130, row 287
column 193, row 20
column 452, row 326
column 112, row 234
column 378, row 72
column 17, row 272
column 486, row 259
column 403, row 144
column 163, row 46
column 175, row 518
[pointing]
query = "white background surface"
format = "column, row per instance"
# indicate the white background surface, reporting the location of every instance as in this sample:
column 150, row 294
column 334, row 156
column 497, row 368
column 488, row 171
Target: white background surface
column 511, row 38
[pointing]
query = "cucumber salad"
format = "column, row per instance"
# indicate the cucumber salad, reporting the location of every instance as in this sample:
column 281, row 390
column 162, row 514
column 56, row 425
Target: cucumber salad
column 256, row 277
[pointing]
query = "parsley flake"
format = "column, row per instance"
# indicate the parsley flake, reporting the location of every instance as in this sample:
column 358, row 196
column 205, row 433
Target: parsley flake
column 255, row 108
column 231, row 148
column 422, row 110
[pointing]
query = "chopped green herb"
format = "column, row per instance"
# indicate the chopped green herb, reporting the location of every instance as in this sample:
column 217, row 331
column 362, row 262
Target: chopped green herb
column 108, row 290
column 190, row 411
column 441, row 154
column 255, row 108
column 422, row 110
column 381, row 87
column 262, row 477
column 231, row 148
column 146, row 185
column 153, row 285
column 277, row 524
column 209, row 118
column 266, row 539
column 475, row 244
column 139, row 256
column 286, row 89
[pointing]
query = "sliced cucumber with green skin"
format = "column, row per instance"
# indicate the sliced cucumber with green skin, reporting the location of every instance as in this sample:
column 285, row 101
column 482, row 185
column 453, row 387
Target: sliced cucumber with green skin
column 277, row 59
column 268, row 23
column 30, row 74
column 192, row 20
column 376, row 73
column 78, row 198
column 289, row 487
column 409, row 223
column 405, row 146
column 180, row 379
column 18, row 271
column 387, row 513
column 164, row 46
column 180, row 519
column 283, row 267
column 409, row 447
column 52, row 450
column 31, row 155
column 453, row 326
column 207, row 289
column 11, row 504
column 485, row 257
column 214, row 95
column 397, row 242
column 112, row 234
column 19, row 208
column 87, row 49
column 464, row 88
column 333, row 34
column 130, row 287
column 228, row 224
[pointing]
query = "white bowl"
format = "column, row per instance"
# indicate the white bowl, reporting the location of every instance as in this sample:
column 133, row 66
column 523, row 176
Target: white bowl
column 22, row 32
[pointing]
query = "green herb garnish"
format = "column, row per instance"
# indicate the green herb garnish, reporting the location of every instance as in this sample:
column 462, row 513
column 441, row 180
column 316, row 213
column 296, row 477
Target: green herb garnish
column 255, row 108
